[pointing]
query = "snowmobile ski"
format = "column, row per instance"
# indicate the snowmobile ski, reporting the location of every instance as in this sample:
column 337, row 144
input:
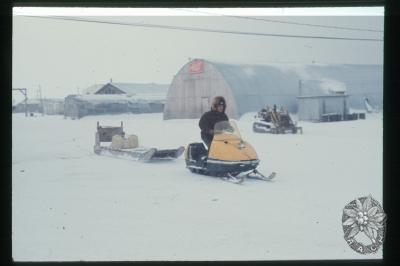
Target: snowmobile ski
column 257, row 175
column 234, row 179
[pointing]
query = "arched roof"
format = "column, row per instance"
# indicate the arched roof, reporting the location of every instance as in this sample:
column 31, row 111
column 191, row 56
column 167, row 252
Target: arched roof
column 257, row 85
column 266, row 84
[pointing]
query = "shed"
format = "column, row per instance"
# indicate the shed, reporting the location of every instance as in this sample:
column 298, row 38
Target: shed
column 323, row 107
column 32, row 106
column 53, row 106
column 248, row 88
column 46, row 106
column 322, row 100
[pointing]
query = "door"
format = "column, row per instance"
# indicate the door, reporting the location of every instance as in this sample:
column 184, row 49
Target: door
column 205, row 104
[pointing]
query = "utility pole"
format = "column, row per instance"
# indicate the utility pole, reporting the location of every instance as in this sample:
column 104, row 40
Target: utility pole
column 24, row 92
column 300, row 87
column 41, row 99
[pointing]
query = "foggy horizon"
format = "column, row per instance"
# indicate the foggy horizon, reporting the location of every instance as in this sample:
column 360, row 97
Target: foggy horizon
column 65, row 57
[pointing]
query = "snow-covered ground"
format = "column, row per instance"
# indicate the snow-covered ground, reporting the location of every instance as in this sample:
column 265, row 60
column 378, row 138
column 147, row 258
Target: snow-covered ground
column 70, row 204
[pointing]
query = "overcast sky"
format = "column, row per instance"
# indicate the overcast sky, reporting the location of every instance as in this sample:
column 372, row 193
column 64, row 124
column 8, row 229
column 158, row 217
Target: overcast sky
column 62, row 56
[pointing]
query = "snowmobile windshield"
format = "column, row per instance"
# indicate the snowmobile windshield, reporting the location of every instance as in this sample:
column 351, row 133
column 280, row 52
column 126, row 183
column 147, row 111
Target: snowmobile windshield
column 226, row 130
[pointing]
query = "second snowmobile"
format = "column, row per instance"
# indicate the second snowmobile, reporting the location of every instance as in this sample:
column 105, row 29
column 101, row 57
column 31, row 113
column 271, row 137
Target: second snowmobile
column 275, row 122
column 229, row 156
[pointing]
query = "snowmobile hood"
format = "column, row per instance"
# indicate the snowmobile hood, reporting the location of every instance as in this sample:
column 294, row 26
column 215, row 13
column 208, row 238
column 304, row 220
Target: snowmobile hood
column 232, row 150
column 228, row 145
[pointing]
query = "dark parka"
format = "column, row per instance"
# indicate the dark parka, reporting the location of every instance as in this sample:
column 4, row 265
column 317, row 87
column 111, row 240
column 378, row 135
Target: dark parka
column 210, row 118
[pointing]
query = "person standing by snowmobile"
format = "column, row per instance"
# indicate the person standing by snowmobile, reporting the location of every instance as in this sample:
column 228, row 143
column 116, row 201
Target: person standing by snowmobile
column 210, row 118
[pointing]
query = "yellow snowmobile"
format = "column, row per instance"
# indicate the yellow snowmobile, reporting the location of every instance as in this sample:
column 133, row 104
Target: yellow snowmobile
column 229, row 156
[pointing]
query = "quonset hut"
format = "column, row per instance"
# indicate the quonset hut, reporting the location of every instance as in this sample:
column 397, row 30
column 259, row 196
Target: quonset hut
column 248, row 88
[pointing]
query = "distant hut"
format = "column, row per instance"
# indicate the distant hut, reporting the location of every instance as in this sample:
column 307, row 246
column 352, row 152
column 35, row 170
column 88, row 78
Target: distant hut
column 78, row 106
column 53, row 106
column 249, row 88
column 322, row 100
column 114, row 98
column 32, row 106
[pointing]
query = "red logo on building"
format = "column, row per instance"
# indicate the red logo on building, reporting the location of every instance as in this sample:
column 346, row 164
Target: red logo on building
column 196, row 67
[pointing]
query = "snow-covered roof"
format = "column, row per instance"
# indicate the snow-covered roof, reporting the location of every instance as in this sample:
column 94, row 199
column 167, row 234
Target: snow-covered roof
column 323, row 96
column 258, row 84
column 131, row 88
column 280, row 82
column 32, row 101
column 137, row 88
column 93, row 89
column 278, row 77
column 53, row 100
column 39, row 101
column 121, row 97
column 322, row 87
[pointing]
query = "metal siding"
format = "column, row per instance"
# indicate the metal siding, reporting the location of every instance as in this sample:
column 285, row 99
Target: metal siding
column 309, row 109
column 257, row 86
column 312, row 108
column 189, row 89
column 335, row 105
column 251, row 87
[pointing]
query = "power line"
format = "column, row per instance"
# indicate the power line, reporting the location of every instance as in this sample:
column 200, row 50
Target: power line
column 146, row 25
column 281, row 21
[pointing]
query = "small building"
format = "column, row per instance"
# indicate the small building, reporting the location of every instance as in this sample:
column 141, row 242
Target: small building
column 32, row 106
column 323, row 107
column 322, row 100
column 53, row 106
column 44, row 106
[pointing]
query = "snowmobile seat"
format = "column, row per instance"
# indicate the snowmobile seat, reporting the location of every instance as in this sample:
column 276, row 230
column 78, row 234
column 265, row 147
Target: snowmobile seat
column 285, row 120
column 197, row 151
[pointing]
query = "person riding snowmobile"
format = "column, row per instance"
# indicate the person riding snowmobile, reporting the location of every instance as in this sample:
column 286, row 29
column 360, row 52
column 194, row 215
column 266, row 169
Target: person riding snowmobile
column 210, row 118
